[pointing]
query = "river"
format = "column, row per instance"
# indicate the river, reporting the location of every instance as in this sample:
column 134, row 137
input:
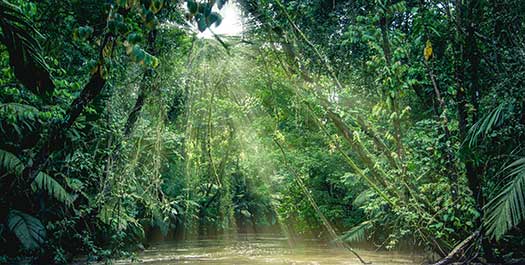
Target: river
column 262, row 249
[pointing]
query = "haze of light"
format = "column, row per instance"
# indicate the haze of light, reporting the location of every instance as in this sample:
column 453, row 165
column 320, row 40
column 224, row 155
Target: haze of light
column 231, row 24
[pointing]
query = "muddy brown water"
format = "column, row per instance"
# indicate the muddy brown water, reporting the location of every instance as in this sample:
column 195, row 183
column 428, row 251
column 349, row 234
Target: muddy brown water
column 263, row 249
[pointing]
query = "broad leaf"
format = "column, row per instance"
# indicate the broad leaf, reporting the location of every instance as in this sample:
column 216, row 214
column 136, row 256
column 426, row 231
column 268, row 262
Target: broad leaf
column 47, row 183
column 10, row 163
column 28, row 229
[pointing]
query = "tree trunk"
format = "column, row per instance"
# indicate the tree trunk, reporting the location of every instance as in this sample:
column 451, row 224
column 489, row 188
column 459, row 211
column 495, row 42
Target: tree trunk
column 57, row 134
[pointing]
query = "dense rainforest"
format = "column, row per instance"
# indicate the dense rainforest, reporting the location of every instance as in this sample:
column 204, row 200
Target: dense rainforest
column 391, row 124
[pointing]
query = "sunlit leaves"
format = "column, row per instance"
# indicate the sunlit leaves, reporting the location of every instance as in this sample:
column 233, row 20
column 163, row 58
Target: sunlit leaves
column 151, row 61
column 138, row 55
column 427, row 52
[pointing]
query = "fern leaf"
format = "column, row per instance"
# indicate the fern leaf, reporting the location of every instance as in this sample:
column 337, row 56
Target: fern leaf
column 507, row 209
column 28, row 229
column 54, row 189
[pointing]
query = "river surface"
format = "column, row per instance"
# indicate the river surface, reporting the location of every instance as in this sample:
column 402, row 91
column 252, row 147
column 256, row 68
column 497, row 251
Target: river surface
column 263, row 249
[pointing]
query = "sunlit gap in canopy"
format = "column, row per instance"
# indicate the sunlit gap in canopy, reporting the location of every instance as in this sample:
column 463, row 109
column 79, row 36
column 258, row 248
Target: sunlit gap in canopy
column 232, row 22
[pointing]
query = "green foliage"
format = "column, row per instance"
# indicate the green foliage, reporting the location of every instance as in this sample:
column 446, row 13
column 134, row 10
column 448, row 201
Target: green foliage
column 20, row 37
column 507, row 209
column 47, row 183
column 356, row 233
column 203, row 14
column 9, row 163
column 487, row 124
column 147, row 129
column 28, row 229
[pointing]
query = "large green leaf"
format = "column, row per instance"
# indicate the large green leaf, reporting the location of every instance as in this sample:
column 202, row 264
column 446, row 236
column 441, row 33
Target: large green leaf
column 47, row 183
column 214, row 18
column 28, row 229
column 10, row 163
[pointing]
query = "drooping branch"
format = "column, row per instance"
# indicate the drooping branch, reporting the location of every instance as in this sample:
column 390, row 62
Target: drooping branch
column 459, row 251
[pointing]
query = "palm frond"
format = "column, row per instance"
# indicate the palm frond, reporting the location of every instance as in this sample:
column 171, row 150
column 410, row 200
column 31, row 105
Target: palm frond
column 507, row 209
column 486, row 124
column 54, row 189
column 356, row 233
column 25, row 52
column 28, row 229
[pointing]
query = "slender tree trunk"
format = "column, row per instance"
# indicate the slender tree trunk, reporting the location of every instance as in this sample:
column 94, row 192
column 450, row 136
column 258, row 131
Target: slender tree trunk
column 465, row 53
column 474, row 172
column 472, row 57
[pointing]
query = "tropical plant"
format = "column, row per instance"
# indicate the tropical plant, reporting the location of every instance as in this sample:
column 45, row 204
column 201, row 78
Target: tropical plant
column 507, row 209
column 26, row 57
column 28, row 229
